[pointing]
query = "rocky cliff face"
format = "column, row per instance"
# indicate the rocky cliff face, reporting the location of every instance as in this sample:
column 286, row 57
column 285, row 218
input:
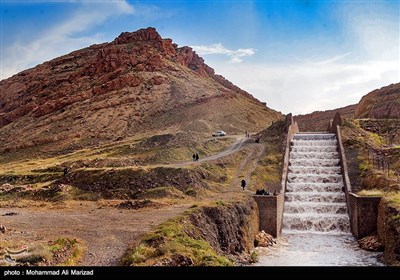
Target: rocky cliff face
column 138, row 82
column 383, row 103
column 389, row 231
column 230, row 230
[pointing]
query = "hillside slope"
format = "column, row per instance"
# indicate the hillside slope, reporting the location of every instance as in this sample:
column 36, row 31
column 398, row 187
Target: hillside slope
column 318, row 121
column 135, row 86
column 383, row 103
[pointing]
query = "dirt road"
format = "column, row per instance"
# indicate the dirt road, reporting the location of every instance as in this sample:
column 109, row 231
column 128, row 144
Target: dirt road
column 108, row 231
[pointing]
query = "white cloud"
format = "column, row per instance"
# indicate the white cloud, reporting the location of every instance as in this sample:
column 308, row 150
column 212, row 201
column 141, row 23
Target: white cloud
column 63, row 37
column 234, row 55
column 300, row 86
column 306, row 87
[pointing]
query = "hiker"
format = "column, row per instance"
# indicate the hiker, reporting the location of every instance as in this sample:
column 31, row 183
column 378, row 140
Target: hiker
column 197, row 157
column 243, row 184
column 194, row 157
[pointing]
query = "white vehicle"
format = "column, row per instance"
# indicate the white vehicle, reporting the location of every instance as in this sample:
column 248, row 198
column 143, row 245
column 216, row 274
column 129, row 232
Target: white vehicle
column 219, row 133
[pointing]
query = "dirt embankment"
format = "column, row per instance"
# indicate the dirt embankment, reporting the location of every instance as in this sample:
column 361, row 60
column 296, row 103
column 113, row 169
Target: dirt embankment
column 389, row 231
column 133, row 182
column 230, row 230
column 215, row 235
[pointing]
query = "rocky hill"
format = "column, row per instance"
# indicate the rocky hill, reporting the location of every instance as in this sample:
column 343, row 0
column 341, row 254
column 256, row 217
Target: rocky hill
column 383, row 103
column 138, row 84
column 318, row 121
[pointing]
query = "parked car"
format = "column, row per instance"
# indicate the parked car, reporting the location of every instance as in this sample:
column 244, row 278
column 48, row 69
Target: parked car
column 219, row 133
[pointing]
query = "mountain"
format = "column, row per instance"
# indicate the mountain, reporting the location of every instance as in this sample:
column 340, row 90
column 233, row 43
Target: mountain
column 383, row 103
column 137, row 85
column 318, row 121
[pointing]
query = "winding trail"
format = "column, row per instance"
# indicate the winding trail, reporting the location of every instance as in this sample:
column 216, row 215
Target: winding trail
column 107, row 231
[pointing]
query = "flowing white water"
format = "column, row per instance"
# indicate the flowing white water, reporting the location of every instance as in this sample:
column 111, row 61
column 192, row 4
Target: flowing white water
column 316, row 223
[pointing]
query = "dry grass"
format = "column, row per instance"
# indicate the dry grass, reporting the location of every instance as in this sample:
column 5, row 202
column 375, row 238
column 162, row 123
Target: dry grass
column 372, row 192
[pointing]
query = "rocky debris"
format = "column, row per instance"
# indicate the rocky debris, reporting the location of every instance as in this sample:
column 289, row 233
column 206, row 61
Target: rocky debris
column 175, row 260
column 10, row 214
column 3, row 229
column 263, row 239
column 371, row 243
column 6, row 188
column 137, row 204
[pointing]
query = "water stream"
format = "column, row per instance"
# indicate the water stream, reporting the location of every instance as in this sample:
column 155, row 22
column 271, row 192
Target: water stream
column 315, row 222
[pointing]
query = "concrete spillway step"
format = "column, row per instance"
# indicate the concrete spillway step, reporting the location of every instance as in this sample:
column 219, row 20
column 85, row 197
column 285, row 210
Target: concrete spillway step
column 314, row 187
column 314, row 155
column 314, row 178
column 315, row 170
column 314, row 137
column 322, row 162
column 332, row 143
column 315, row 207
column 310, row 149
column 315, row 197
column 322, row 223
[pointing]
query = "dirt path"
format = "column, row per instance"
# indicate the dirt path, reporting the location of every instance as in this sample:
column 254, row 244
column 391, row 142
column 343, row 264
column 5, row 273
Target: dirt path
column 108, row 231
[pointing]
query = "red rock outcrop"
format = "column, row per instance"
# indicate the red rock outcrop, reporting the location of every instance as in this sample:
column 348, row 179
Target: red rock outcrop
column 383, row 103
column 138, row 82
column 318, row 121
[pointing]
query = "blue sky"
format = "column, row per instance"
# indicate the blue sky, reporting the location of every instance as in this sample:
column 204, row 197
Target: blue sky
column 298, row 56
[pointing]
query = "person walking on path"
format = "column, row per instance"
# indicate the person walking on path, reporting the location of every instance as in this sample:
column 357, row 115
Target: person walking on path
column 197, row 157
column 194, row 157
column 243, row 184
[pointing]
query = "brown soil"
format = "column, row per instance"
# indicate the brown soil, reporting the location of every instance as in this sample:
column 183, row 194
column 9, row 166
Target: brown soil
column 108, row 230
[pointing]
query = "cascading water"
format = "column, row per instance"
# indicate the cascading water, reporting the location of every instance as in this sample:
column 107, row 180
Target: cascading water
column 315, row 222
column 315, row 201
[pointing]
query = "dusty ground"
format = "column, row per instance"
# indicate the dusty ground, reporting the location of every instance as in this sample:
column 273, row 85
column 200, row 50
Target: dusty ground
column 107, row 230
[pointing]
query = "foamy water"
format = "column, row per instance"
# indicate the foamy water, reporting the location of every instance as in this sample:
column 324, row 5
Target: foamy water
column 316, row 229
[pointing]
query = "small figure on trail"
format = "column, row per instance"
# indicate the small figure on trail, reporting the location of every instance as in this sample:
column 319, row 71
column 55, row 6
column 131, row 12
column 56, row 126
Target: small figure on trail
column 194, row 157
column 246, row 133
column 65, row 171
column 197, row 157
column 243, row 184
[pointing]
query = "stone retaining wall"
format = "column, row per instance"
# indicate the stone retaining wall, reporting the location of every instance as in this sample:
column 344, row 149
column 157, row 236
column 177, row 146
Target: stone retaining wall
column 363, row 214
column 270, row 211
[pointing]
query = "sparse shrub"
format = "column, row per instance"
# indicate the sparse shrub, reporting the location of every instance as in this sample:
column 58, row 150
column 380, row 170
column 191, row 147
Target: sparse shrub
column 254, row 257
column 191, row 192
column 220, row 203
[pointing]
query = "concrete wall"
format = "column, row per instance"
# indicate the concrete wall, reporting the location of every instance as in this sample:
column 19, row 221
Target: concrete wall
column 364, row 213
column 362, row 210
column 270, row 209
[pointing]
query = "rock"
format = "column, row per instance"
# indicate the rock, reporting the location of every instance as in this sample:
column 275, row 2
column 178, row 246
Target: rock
column 137, row 79
column 371, row 243
column 10, row 214
column 263, row 239
column 381, row 103
column 6, row 188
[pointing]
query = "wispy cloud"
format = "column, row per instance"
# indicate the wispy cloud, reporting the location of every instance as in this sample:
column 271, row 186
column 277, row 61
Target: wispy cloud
column 234, row 55
column 63, row 37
